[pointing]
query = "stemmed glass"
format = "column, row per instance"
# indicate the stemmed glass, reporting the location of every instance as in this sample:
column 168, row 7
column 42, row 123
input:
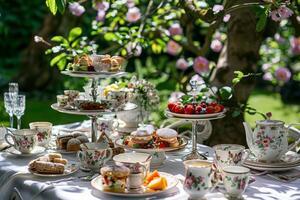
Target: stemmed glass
column 19, row 108
column 9, row 107
column 13, row 89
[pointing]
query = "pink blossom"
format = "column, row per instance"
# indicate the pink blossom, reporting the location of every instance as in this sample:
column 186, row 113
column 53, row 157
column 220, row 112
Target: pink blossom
column 133, row 14
column 100, row 16
column 216, row 45
column 76, row 9
column 266, row 66
column 201, row 65
column 268, row 76
column 175, row 29
column 217, row 8
column 226, row 18
column 103, row 5
column 197, row 78
column 173, row 48
column 295, row 45
column 188, row 182
column 130, row 3
column 175, row 96
column 281, row 13
column 182, row 64
column 279, row 39
column 283, row 74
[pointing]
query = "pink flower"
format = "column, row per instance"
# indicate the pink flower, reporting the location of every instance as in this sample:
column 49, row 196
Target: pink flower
column 175, row 96
column 201, row 65
column 173, row 48
column 197, row 78
column 266, row 66
column 100, row 16
column 281, row 13
column 175, row 29
column 103, row 5
column 268, row 76
column 216, row 45
column 279, row 39
column 133, row 14
column 188, row 182
column 283, row 74
column 226, row 18
column 130, row 3
column 295, row 45
column 217, row 8
column 76, row 9
column 182, row 64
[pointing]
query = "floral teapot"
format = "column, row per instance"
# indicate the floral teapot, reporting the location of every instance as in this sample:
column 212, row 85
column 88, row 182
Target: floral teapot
column 268, row 142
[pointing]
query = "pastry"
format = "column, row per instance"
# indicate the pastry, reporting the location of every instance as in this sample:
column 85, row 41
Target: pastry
column 73, row 145
column 52, row 156
column 119, row 59
column 140, row 136
column 114, row 178
column 168, row 136
column 92, row 106
column 60, row 160
column 62, row 140
column 47, row 167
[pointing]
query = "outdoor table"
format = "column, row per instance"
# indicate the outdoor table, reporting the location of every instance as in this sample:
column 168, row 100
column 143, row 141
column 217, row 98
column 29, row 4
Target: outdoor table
column 15, row 178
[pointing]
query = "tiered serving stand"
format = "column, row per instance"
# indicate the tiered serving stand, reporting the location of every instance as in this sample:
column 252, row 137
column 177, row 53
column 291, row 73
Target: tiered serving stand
column 93, row 115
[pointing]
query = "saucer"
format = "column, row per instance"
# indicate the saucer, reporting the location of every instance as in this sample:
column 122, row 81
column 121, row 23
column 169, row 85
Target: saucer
column 36, row 151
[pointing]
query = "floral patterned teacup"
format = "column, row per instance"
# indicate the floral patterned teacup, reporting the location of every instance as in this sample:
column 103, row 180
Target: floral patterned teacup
column 44, row 132
column 24, row 140
column 229, row 154
column 94, row 155
column 235, row 179
column 199, row 178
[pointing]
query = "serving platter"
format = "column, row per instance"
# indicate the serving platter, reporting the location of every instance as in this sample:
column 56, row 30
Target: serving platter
column 182, row 143
column 171, row 180
column 194, row 116
column 36, row 151
column 90, row 74
column 71, row 168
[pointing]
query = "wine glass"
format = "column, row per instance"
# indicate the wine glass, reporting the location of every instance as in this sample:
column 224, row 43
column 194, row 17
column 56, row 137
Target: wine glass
column 9, row 107
column 13, row 89
column 19, row 108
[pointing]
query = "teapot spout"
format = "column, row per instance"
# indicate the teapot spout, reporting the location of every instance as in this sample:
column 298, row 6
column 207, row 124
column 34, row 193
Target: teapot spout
column 249, row 134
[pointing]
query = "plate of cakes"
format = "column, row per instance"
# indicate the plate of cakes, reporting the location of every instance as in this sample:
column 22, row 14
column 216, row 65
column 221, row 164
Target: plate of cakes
column 114, row 181
column 52, row 165
column 70, row 143
column 147, row 139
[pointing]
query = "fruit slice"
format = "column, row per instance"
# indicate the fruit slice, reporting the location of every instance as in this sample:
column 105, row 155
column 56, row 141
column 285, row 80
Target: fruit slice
column 151, row 176
column 158, row 184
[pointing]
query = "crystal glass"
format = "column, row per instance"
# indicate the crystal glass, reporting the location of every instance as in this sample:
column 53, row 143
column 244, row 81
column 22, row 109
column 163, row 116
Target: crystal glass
column 19, row 108
column 13, row 89
column 9, row 107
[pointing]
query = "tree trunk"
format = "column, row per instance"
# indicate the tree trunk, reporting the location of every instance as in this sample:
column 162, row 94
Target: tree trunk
column 240, row 53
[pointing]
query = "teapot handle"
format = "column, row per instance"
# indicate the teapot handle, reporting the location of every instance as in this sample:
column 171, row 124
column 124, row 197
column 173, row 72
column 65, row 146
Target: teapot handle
column 294, row 144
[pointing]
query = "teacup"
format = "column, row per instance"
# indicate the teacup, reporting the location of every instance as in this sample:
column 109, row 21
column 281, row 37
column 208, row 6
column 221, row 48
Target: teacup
column 107, row 124
column 72, row 95
column 199, row 178
column 44, row 132
column 62, row 100
column 235, row 179
column 229, row 155
column 24, row 140
column 94, row 155
column 139, row 165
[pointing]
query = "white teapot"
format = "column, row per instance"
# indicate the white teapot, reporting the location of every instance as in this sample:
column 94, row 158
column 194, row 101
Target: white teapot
column 268, row 142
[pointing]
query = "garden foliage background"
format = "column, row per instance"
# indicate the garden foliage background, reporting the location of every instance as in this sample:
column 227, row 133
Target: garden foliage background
column 155, row 56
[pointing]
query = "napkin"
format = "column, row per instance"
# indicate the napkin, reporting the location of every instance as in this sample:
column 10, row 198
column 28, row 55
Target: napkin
column 286, row 176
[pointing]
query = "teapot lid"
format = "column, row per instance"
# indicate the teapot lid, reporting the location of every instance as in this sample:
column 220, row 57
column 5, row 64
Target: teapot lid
column 270, row 122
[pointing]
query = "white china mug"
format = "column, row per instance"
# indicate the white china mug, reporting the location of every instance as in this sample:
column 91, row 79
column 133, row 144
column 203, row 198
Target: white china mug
column 235, row 179
column 24, row 140
column 44, row 132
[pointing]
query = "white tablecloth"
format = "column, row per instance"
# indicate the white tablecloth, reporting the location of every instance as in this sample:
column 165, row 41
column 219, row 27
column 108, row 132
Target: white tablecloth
column 14, row 174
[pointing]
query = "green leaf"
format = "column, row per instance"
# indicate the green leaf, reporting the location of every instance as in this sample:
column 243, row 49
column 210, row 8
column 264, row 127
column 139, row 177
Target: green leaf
column 261, row 23
column 60, row 39
column 62, row 63
column 61, row 5
column 239, row 74
column 74, row 33
column 109, row 36
column 57, row 58
column 225, row 93
column 51, row 4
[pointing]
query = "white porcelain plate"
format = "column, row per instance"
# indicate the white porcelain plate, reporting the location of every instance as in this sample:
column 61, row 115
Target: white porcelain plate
column 69, row 169
column 182, row 143
column 172, row 181
column 90, row 74
column 36, row 151
column 194, row 116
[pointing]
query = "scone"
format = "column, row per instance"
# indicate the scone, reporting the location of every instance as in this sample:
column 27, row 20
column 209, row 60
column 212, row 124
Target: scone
column 140, row 137
column 168, row 136
column 73, row 145
column 62, row 140
column 114, row 178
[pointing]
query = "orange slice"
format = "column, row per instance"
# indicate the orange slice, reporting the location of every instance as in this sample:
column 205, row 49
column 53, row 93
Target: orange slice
column 158, row 184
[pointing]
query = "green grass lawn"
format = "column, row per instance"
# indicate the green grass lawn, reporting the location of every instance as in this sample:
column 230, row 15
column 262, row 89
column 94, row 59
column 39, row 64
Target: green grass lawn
column 39, row 110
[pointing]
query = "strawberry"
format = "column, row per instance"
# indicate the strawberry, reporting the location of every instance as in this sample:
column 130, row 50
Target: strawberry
column 178, row 108
column 203, row 104
column 198, row 109
column 213, row 104
column 219, row 108
column 189, row 109
column 171, row 106
column 210, row 109
column 162, row 145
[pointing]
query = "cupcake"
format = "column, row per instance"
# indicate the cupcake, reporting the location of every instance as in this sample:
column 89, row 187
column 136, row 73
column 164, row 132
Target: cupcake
column 168, row 136
column 114, row 178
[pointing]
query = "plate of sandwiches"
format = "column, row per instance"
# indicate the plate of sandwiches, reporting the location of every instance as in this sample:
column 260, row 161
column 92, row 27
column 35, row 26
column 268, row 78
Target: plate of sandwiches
column 147, row 139
column 52, row 165
column 70, row 143
column 113, row 181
